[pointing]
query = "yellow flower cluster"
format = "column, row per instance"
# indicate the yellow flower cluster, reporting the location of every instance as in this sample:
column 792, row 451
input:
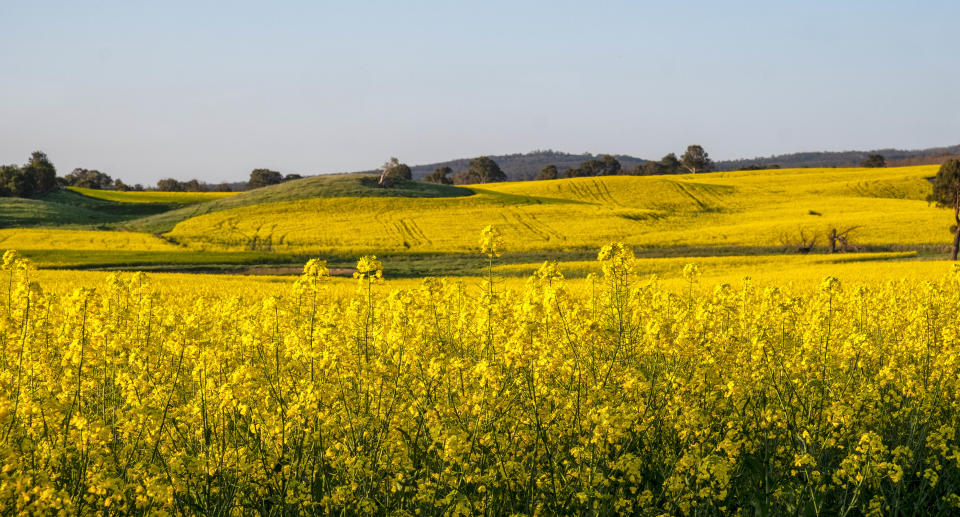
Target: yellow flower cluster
column 626, row 399
column 491, row 241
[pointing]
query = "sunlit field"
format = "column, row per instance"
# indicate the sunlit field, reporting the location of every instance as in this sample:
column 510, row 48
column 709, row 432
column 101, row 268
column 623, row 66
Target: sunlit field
column 749, row 210
column 729, row 214
column 150, row 196
column 618, row 395
column 498, row 259
column 82, row 240
column 720, row 371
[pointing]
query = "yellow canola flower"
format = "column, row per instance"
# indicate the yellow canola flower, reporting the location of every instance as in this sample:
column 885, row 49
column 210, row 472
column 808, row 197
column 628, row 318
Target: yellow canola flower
column 491, row 241
column 126, row 394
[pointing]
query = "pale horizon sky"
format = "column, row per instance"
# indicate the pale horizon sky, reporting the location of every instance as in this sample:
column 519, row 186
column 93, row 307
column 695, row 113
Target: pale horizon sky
column 211, row 90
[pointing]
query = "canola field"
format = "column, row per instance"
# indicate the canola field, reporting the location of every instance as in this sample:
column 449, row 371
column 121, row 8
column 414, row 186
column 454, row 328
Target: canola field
column 752, row 210
column 83, row 240
column 729, row 213
column 611, row 395
column 150, row 196
column 711, row 375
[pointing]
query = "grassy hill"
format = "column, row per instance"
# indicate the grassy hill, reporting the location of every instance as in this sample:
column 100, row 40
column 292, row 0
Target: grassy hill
column 327, row 186
column 75, row 209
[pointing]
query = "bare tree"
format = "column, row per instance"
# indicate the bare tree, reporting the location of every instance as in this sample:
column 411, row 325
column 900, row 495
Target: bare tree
column 799, row 243
column 840, row 242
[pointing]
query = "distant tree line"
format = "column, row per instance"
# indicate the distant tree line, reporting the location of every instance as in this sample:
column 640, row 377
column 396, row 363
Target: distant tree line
column 694, row 160
column 92, row 178
column 194, row 185
column 761, row 167
column 891, row 157
column 266, row 177
column 874, row 160
column 479, row 170
column 38, row 175
column 485, row 170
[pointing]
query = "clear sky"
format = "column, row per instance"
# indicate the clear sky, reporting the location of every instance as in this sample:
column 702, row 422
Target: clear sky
column 214, row 89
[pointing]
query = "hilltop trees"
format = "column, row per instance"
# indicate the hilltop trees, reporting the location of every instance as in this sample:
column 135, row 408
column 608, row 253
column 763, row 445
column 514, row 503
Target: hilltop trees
column 481, row 170
column 263, row 177
column 874, row 160
column 169, row 185
column 392, row 171
column 41, row 173
column 440, row 176
column 486, row 170
column 669, row 164
column 548, row 173
column 696, row 159
column 37, row 176
column 946, row 194
column 604, row 165
column 172, row 185
column 12, row 181
column 88, row 178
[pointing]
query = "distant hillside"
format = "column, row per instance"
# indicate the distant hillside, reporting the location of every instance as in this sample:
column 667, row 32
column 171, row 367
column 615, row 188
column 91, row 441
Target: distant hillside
column 525, row 166
column 843, row 158
column 321, row 186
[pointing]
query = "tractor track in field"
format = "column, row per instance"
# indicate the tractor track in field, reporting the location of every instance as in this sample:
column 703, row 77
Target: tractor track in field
column 389, row 227
column 411, row 228
column 581, row 193
column 546, row 227
column 410, row 232
column 685, row 190
column 593, row 191
column 604, row 191
column 540, row 234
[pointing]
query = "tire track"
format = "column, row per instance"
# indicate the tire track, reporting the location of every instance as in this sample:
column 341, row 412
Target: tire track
column 388, row 228
column 409, row 237
column 683, row 189
column 547, row 227
column 415, row 230
column 604, row 191
column 583, row 192
column 538, row 233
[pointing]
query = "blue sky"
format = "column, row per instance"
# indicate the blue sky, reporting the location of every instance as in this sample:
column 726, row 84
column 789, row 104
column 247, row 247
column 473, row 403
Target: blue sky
column 214, row 89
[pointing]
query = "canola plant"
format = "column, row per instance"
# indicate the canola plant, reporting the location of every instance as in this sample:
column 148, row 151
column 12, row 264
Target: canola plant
column 625, row 398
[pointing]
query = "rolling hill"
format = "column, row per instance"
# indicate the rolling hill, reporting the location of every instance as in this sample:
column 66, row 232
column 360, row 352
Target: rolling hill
column 324, row 186
column 415, row 224
column 749, row 211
